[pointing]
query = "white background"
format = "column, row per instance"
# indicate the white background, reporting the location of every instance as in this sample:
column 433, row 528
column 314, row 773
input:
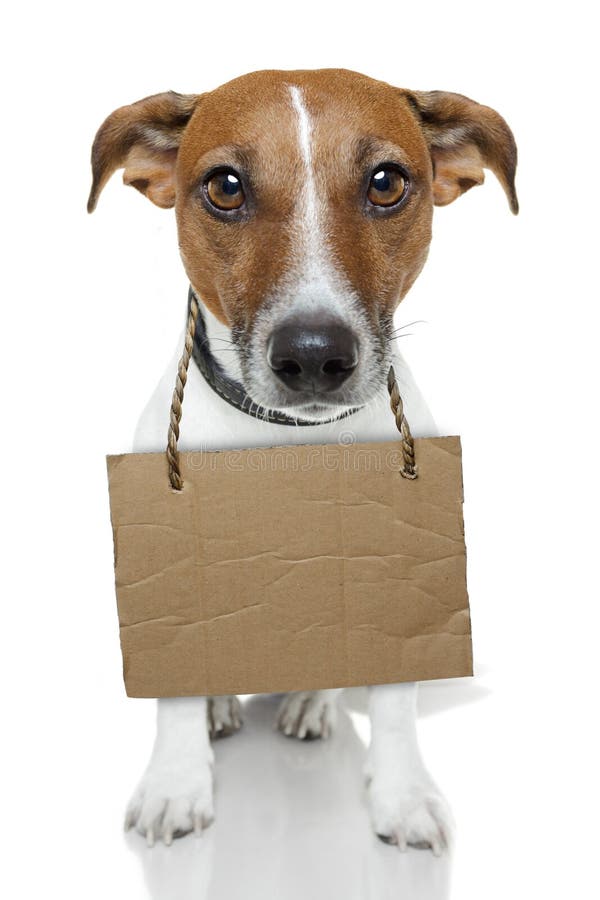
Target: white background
column 91, row 309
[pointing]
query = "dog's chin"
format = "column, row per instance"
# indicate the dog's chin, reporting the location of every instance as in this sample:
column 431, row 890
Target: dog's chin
column 309, row 407
column 317, row 412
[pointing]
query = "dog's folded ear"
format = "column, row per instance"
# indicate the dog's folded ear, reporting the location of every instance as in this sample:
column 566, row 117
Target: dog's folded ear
column 142, row 138
column 465, row 137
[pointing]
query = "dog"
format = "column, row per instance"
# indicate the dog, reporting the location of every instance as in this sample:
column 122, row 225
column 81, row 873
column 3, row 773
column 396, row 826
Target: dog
column 304, row 203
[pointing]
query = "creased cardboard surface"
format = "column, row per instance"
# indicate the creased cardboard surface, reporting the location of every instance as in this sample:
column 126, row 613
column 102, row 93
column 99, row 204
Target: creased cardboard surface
column 290, row 568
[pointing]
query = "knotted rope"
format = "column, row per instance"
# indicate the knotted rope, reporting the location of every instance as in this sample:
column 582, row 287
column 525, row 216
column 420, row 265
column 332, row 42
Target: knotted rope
column 409, row 469
column 176, row 403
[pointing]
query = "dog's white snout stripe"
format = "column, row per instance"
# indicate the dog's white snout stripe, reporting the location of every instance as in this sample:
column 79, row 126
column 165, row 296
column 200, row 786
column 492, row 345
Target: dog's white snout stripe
column 304, row 126
column 309, row 218
column 318, row 284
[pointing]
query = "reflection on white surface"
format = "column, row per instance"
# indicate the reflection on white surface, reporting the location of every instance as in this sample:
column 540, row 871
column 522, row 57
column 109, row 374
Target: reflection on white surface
column 291, row 824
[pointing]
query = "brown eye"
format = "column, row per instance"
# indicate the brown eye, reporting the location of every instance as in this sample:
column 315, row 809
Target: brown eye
column 224, row 190
column 387, row 186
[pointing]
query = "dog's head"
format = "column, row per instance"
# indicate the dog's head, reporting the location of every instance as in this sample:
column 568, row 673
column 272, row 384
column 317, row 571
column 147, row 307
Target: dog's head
column 304, row 204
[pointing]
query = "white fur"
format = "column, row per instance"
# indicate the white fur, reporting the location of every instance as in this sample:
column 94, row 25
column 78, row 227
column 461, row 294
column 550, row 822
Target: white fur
column 308, row 714
column 175, row 794
column 313, row 272
column 406, row 805
column 224, row 716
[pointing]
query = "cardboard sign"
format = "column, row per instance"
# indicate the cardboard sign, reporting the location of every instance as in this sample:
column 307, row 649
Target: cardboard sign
column 290, row 568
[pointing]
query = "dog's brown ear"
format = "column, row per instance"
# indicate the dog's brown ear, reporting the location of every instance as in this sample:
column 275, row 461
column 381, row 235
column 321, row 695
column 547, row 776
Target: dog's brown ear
column 142, row 138
column 465, row 137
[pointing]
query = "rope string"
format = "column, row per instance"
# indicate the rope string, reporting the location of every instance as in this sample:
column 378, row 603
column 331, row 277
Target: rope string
column 176, row 403
column 409, row 469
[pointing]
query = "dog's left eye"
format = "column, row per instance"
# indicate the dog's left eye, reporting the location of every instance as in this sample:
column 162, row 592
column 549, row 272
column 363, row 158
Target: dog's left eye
column 224, row 190
column 387, row 186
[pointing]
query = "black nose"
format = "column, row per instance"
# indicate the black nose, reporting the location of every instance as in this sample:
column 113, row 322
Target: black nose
column 316, row 357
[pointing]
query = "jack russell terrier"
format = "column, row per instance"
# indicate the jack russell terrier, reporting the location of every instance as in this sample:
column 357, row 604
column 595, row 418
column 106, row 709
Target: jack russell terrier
column 304, row 203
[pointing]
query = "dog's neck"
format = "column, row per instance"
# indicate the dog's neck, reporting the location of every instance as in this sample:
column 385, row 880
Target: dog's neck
column 215, row 355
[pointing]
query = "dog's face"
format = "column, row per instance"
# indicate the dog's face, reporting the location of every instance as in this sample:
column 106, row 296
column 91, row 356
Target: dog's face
column 304, row 204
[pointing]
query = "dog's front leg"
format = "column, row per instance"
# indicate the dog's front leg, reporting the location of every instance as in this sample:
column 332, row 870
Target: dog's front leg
column 175, row 795
column 406, row 805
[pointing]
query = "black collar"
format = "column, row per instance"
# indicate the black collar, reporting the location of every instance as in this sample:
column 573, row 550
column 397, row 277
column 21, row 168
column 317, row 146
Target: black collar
column 232, row 391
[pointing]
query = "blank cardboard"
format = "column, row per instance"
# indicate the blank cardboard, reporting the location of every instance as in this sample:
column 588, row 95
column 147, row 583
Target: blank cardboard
column 293, row 568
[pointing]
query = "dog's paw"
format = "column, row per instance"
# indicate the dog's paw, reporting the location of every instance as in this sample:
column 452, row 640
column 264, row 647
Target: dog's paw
column 308, row 714
column 224, row 716
column 174, row 797
column 414, row 813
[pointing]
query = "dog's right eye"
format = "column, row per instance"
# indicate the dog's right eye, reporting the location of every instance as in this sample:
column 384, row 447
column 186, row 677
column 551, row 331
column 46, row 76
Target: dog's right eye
column 224, row 190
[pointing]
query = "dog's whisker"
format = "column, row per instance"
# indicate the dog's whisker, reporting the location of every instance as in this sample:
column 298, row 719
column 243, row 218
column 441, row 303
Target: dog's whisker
column 410, row 324
column 221, row 339
column 397, row 337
